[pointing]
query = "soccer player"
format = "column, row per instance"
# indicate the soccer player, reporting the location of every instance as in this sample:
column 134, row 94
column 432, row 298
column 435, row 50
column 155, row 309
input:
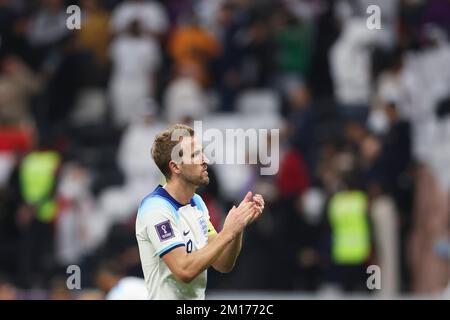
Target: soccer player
column 177, row 242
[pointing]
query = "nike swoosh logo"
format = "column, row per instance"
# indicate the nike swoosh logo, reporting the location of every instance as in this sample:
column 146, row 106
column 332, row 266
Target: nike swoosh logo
column 186, row 233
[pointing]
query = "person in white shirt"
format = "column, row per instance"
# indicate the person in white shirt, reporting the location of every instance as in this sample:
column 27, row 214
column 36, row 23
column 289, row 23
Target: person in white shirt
column 136, row 58
column 132, row 155
column 185, row 97
column 110, row 279
column 177, row 242
column 152, row 16
column 48, row 25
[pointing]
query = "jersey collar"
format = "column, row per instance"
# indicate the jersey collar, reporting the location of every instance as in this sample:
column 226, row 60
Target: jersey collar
column 163, row 193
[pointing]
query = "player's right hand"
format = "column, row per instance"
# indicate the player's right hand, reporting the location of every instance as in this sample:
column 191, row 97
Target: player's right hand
column 238, row 218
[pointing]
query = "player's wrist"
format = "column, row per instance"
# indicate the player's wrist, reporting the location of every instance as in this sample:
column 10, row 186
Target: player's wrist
column 228, row 235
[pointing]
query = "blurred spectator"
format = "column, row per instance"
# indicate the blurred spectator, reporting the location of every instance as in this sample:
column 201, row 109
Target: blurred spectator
column 350, row 234
column 309, row 250
column 58, row 289
column 94, row 33
column 134, row 150
column 8, row 16
column 18, row 83
column 438, row 13
column 150, row 14
column 398, row 158
column 90, row 295
column 350, row 68
column 207, row 12
column 294, row 43
column 257, row 64
column 301, row 117
column 80, row 227
column 326, row 31
column 14, row 143
column 430, row 224
column 7, row 290
column 292, row 178
column 68, row 68
column 35, row 180
column 389, row 86
column 177, row 9
column 291, row 181
column 233, row 21
column 16, row 139
column 348, row 9
column 47, row 27
column 185, row 97
column 306, row 11
column 118, row 203
column 136, row 58
column 111, row 281
column 387, row 245
column 192, row 46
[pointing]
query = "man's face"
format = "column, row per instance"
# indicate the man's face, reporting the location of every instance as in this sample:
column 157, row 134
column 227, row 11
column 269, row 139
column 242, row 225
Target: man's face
column 195, row 164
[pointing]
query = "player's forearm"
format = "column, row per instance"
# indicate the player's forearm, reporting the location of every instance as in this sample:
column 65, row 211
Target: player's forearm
column 226, row 261
column 196, row 262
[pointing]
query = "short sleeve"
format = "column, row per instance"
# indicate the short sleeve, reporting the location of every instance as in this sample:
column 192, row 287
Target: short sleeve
column 160, row 221
column 202, row 206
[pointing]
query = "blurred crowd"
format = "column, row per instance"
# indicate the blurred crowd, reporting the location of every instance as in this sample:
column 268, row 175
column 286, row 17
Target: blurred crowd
column 363, row 113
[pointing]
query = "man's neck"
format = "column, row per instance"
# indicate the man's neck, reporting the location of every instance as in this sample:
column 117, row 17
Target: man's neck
column 180, row 191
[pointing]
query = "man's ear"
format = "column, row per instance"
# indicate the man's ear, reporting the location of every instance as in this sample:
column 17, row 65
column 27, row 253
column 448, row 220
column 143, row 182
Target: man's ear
column 174, row 167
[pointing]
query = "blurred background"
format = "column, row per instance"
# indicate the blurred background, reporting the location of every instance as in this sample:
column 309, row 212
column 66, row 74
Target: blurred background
column 364, row 120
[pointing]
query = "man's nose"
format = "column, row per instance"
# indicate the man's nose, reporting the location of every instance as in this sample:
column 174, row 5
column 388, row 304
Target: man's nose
column 205, row 159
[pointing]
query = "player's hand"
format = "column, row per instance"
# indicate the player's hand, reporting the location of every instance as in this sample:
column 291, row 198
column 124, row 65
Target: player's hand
column 238, row 218
column 258, row 201
column 248, row 198
column 258, row 204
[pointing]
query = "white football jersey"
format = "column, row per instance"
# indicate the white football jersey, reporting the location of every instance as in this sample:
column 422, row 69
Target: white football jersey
column 163, row 224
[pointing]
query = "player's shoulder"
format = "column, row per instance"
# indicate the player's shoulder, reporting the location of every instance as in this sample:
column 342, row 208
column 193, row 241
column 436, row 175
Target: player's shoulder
column 155, row 200
column 198, row 201
column 197, row 197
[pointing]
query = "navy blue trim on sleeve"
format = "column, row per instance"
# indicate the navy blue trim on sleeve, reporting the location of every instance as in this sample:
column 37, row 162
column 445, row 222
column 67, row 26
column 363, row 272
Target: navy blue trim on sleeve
column 170, row 248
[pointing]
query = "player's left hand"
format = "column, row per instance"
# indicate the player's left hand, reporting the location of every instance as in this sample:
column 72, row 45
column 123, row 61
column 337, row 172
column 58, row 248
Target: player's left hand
column 258, row 201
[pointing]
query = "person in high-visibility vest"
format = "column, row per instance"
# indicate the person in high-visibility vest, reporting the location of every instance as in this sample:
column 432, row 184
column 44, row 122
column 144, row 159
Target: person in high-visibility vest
column 37, row 174
column 350, row 227
column 348, row 215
